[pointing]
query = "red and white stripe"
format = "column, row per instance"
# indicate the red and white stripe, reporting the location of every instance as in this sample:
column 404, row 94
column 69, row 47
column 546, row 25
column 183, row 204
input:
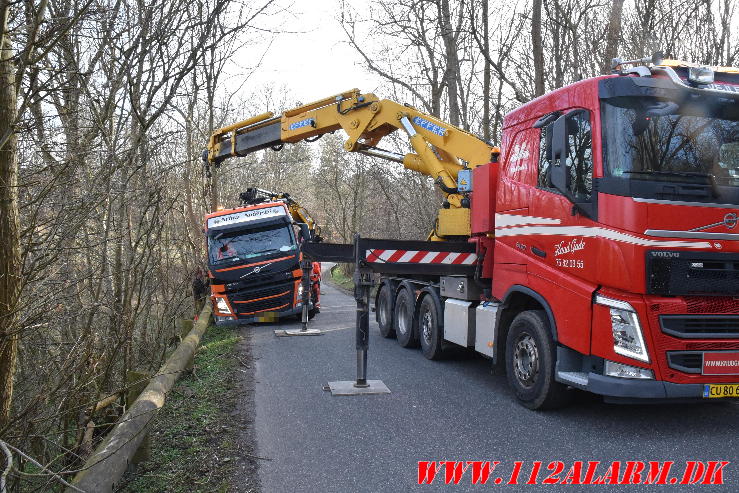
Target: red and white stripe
column 512, row 225
column 420, row 257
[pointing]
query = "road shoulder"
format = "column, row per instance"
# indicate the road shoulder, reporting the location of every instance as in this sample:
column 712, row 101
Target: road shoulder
column 199, row 441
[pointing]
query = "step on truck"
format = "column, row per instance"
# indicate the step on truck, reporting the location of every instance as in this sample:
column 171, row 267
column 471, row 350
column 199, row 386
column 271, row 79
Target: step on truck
column 596, row 249
column 255, row 261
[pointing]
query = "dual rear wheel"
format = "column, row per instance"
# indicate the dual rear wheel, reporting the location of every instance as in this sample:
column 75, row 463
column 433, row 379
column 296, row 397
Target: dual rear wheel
column 414, row 323
column 530, row 351
column 403, row 316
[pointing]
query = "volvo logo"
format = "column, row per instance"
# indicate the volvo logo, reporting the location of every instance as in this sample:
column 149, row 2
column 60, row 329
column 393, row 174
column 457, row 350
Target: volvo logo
column 255, row 270
column 730, row 220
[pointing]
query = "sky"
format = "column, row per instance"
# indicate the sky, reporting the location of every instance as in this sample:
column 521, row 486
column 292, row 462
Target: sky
column 310, row 58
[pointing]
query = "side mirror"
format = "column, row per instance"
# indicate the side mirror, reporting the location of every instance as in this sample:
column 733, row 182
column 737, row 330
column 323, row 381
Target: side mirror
column 560, row 174
column 304, row 232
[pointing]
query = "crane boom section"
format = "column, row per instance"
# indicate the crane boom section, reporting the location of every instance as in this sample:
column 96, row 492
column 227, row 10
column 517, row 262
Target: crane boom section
column 254, row 196
column 439, row 150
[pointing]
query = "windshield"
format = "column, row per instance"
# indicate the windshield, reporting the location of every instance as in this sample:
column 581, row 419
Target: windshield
column 241, row 245
column 646, row 139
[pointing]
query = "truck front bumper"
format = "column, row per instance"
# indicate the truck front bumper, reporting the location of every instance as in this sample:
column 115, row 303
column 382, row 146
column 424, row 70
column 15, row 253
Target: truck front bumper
column 271, row 317
column 627, row 390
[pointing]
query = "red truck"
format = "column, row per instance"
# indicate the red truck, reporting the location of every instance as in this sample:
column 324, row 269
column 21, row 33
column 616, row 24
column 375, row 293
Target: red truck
column 598, row 251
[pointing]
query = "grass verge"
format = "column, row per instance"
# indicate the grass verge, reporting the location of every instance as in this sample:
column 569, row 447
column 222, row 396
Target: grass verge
column 340, row 279
column 194, row 443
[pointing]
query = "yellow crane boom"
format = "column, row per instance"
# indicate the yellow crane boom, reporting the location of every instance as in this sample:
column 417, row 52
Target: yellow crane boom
column 440, row 150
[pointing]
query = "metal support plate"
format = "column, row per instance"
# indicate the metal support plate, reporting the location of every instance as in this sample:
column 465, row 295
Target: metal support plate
column 297, row 332
column 346, row 387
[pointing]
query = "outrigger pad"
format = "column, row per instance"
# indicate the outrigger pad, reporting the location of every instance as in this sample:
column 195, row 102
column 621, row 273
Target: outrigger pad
column 297, row 332
column 346, row 387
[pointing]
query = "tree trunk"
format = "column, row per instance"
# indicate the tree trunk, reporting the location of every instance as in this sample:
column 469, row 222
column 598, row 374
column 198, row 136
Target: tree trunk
column 452, row 61
column 538, row 49
column 210, row 88
column 10, row 259
column 613, row 37
column 485, row 74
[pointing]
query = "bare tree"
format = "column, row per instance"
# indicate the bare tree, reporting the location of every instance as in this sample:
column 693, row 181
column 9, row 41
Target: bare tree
column 10, row 282
column 538, row 48
column 613, row 37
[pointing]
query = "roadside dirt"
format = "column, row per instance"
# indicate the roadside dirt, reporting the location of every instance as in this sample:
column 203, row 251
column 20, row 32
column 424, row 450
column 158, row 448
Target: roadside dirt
column 246, row 477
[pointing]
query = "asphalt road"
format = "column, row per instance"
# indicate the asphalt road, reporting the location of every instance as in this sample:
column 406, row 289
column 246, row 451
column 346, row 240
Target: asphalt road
column 455, row 409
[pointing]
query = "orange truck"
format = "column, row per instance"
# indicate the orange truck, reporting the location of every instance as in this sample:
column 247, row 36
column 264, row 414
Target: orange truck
column 255, row 262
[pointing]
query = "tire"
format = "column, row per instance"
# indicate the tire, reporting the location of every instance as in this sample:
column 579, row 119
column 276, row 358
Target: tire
column 311, row 313
column 384, row 309
column 405, row 308
column 430, row 326
column 530, row 360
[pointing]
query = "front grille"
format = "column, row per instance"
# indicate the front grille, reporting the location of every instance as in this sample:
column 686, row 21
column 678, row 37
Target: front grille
column 262, row 298
column 685, row 361
column 261, row 281
column 262, row 292
column 713, row 304
column 692, row 273
column 711, row 346
column 701, row 326
column 263, row 305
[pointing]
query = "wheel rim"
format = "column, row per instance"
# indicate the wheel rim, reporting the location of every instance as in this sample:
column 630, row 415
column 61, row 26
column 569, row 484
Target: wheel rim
column 403, row 316
column 526, row 360
column 426, row 322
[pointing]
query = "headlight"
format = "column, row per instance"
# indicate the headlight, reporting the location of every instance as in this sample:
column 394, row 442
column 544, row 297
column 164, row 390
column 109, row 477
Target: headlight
column 620, row 370
column 627, row 336
column 300, row 290
column 222, row 305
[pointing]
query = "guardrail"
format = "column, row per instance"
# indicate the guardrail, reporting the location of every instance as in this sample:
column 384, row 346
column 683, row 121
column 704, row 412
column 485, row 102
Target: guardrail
column 105, row 467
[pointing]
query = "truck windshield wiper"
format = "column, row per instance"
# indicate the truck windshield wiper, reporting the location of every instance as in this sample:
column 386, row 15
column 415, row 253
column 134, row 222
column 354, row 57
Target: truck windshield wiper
column 263, row 251
column 687, row 174
column 710, row 181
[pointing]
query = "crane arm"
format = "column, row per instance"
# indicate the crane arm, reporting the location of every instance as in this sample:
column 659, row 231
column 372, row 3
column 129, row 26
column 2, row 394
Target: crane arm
column 299, row 213
column 440, row 150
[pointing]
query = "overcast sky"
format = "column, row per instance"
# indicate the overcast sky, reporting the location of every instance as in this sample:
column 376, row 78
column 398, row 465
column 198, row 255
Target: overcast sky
column 314, row 62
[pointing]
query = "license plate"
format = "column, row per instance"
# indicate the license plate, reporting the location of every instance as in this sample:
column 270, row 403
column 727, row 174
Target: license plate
column 721, row 363
column 268, row 317
column 717, row 391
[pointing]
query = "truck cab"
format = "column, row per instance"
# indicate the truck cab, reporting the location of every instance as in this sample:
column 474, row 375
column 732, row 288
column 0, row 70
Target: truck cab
column 254, row 265
column 616, row 221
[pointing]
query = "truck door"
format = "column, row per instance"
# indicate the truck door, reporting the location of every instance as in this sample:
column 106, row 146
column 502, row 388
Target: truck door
column 567, row 243
column 568, row 233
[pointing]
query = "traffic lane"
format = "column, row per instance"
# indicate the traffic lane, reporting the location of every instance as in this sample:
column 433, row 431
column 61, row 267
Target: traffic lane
column 453, row 409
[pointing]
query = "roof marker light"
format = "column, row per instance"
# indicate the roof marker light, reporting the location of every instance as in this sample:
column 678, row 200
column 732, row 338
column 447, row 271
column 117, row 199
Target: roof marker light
column 700, row 75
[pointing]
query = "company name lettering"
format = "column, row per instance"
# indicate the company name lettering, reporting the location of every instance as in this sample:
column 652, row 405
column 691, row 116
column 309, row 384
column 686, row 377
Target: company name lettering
column 240, row 217
column 723, row 363
column 666, row 254
column 569, row 247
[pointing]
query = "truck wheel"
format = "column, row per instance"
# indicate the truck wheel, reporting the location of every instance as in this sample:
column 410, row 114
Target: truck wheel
column 405, row 306
column 312, row 313
column 530, row 359
column 430, row 326
column 384, row 308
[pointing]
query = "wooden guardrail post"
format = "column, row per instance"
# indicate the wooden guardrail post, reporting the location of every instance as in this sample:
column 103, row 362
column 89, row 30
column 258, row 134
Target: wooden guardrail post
column 136, row 381
column 185, row 328
column 105, row 467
